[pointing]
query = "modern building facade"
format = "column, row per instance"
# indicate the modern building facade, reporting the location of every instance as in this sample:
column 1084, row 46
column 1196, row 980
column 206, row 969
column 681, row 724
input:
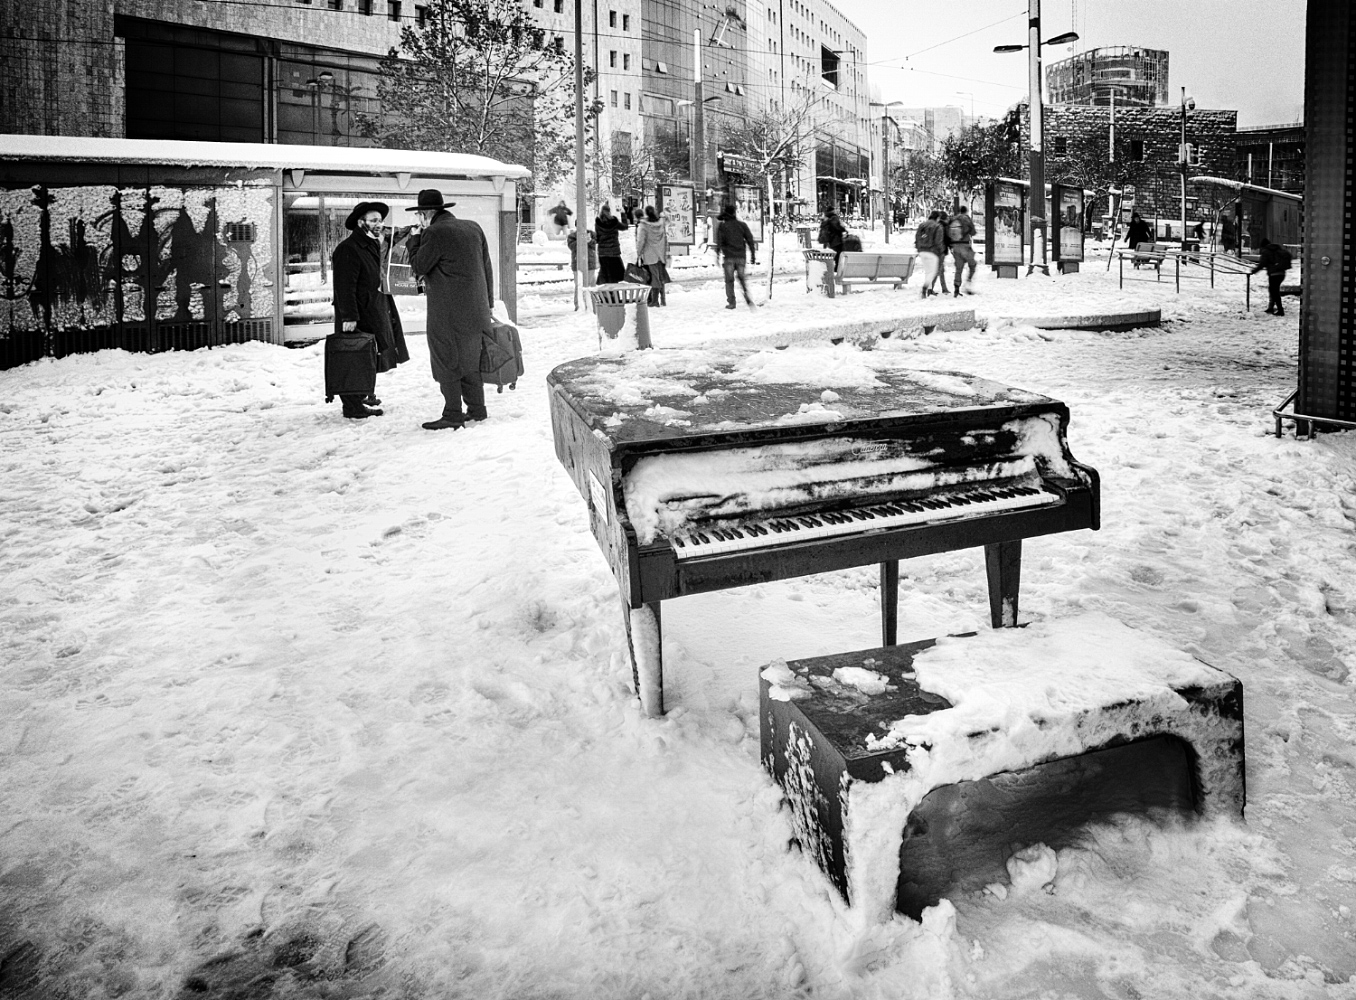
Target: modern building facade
column 1272, row 156
column 1136, row 77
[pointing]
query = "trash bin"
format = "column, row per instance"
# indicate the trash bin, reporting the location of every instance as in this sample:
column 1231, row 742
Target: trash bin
column 803, row 234
column 609, row 304
column 819, row 271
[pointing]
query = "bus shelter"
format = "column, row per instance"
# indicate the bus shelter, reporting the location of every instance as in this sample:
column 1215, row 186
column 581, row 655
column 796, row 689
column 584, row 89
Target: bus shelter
column 151, row 245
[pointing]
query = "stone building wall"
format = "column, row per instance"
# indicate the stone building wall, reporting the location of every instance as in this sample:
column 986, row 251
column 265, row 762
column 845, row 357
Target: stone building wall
column 1158, row 191
column 62, row 67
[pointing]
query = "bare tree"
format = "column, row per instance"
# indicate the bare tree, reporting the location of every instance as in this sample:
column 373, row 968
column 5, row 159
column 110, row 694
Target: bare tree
column 773, row 140
column 480, row 76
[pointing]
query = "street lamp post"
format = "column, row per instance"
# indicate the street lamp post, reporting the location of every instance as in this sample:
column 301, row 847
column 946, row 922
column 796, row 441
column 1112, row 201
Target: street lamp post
column 1037, row 222
column 885, row 122
column 1187, row 105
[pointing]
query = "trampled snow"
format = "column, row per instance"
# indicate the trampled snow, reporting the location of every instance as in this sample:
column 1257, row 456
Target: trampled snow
column 342, row 708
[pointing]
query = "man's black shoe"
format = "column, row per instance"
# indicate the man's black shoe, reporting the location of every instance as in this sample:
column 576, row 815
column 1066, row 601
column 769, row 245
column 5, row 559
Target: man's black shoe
column 442, row 424
column 371, row 400
column 362, row 413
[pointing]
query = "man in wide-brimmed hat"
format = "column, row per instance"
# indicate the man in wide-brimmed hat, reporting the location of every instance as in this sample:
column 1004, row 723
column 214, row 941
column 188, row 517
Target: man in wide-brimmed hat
column 361, row 301
column 452, row 258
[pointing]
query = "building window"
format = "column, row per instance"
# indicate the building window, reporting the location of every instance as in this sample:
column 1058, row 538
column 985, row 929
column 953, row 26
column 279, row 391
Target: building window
column 393, row 9
column 614, row 98
column 365, row 6
column 336, row 4
column 661, row 67
column 626, row 101
column 536, row 3
column 559, row 6
column 1061, row 145
column 612, row 19
column 1137, row 150
column 421, row 14
column 612, row 59
column 626, row 22
column 559, row 43
column 828, row 65
column 626, row 60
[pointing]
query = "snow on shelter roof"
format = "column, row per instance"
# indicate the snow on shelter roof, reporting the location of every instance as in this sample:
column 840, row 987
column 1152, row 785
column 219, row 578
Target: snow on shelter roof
column 254, row 155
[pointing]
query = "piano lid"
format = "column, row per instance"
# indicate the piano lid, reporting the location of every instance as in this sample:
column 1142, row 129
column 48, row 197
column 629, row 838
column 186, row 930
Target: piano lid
column 653, row 397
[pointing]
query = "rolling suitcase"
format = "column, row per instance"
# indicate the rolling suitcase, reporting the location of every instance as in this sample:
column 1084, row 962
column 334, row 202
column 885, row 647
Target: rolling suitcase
column 350, row 364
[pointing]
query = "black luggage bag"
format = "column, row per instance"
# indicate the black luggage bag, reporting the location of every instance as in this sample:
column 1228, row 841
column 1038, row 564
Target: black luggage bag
column 350, row 364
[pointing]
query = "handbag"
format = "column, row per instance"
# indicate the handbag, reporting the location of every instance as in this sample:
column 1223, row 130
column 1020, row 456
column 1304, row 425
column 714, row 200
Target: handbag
column 637, row 274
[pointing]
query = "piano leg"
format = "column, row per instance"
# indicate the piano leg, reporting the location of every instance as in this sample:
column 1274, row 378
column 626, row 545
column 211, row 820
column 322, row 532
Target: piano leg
column 1003, row 560
column 644, row 638
column 889, row 602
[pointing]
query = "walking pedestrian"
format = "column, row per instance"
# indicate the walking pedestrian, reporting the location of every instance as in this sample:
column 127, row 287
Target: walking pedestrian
column 608, row 227
column 1139, row 232
column 930, row 242
column 452, row 258
column 560, row 215
column 652, row 248
column 832, row 232
column 1275, row 259
column 732, row 237
column 361, row 299
column 960, row 230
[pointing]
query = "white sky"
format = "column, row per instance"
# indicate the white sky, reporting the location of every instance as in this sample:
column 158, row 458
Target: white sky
column 1241, row 54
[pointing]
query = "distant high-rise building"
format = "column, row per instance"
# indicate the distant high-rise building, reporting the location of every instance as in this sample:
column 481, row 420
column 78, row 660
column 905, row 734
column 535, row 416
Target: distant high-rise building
column 937, row 123
column 1138, row 77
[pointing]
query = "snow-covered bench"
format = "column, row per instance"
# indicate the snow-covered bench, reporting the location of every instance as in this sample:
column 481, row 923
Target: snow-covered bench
column 911, row 771
column 869, row 267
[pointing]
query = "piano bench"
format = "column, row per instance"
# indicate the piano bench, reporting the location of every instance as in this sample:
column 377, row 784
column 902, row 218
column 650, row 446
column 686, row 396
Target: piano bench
column 903, row 796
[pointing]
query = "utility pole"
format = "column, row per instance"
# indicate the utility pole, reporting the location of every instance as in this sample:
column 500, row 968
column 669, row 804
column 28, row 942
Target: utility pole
column 698, row 168
column 581, row 231
column 1182, row 158
column 1037, row 190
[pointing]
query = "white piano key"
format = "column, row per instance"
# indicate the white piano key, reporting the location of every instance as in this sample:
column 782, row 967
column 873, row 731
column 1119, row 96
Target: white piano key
column 790, row 528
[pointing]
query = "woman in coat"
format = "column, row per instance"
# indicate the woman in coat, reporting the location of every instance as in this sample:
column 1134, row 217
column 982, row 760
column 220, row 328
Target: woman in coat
column 361, row 301
column 652, row 247
column 607, row 226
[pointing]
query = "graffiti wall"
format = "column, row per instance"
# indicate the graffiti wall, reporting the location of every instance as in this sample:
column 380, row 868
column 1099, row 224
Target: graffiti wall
column 131, row 262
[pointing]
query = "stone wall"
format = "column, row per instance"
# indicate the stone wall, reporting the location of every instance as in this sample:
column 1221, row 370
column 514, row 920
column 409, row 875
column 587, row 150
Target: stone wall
column 1158, row 191
column 61, row 67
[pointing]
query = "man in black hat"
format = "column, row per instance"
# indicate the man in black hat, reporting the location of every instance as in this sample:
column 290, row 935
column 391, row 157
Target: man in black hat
column 360, row 299
column 452, row 258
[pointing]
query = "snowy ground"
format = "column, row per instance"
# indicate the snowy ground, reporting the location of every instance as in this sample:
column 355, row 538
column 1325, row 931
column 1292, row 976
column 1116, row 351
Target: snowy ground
column 308, row 707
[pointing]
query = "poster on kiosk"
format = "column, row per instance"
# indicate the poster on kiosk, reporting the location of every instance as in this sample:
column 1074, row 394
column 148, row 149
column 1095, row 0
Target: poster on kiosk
column 1066, row 208
column 748, row 201
column 679, row 205
column 1004, row 246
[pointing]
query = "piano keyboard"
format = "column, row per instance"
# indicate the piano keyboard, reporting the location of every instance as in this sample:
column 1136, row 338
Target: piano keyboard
column 710, row 540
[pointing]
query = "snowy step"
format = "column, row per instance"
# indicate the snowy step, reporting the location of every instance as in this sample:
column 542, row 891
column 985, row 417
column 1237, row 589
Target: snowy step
column 912, row 770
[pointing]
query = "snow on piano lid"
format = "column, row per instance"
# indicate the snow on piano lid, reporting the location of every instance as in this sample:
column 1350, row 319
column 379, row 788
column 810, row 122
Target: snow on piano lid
column 769, row 430
column 680, row 394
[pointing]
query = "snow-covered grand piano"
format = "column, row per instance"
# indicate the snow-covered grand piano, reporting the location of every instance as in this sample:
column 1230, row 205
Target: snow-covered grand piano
column 710, row 469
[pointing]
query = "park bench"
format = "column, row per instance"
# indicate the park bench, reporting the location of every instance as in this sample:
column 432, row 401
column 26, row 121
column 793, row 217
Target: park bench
column 860, row 266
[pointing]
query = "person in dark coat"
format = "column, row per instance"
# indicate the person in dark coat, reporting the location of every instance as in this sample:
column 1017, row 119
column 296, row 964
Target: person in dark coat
column 608, row 226
column 732, row 238
column 360, row 299
column 1139, row 232
column 930, row 242
column 1275, row 260
column 452, row 258
column 832, row 232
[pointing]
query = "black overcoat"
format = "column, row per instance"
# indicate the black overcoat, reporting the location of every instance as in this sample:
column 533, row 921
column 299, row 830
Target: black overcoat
column 452, row 258
column 356, row 264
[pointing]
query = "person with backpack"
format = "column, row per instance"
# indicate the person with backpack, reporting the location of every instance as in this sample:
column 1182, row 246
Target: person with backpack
column 1275, row 259
column 960, row 229
column 732, row 236
column 930, row 242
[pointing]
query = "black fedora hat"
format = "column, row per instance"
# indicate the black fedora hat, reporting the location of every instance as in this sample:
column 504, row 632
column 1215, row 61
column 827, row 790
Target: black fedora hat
column 362, row 208
column 429, row 199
